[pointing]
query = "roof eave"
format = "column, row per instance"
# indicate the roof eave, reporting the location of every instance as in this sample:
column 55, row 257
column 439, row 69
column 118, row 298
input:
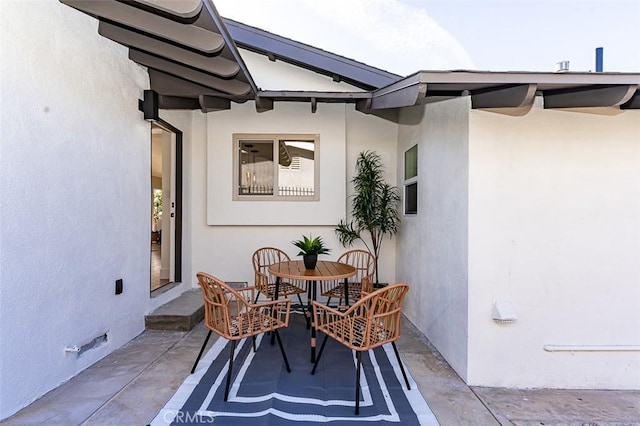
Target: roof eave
column 511, row 89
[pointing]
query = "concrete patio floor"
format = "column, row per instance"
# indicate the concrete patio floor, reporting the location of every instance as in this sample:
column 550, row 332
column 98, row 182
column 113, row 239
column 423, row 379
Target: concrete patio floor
column 130, row 386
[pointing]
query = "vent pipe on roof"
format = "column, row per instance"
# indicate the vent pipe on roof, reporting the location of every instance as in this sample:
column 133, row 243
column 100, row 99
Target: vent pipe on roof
column 599, row 59
column 562, row 66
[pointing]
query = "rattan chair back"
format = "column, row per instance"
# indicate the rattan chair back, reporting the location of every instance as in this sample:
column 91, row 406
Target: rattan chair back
column 229, row 313
column 362, row 281
column 265, row 282
column 370, row 322
column 262, row 259
column 365, row 265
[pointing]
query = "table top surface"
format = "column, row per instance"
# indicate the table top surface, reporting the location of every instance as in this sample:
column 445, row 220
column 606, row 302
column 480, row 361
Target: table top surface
column 325, row 270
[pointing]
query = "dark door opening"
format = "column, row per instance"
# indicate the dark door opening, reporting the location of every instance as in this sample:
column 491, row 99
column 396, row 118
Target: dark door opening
column 166, row 206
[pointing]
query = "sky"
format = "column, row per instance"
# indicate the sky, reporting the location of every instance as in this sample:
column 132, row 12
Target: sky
column 406, row 36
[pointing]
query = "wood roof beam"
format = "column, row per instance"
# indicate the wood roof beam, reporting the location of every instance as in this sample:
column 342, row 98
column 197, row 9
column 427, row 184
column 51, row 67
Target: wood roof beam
column 212, row 64
column 213, row 103
column 590, row 96
column 517, row 96
column 183, row 10
column 263, row 104
column 232, row 87
column 177, row 102
column 197, row 38
column 174, row 86
column 633, row 103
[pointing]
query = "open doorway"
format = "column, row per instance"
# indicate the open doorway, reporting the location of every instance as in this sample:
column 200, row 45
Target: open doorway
column 165, row 204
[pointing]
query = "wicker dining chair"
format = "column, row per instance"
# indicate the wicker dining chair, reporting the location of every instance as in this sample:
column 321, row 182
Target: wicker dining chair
column 364, row 262
column 228, row 313
column 371, row 322
column 265, row 283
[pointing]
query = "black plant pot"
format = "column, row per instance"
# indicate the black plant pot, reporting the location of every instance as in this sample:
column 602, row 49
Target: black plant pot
column 310, row 260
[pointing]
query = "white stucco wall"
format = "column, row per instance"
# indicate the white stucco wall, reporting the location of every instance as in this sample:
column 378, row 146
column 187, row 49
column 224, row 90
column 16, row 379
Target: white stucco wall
column 225, row 248
column 369, row 133
column 554, row 220
column 74, row 183
column 432, row 245
column 328, row 122
column 279, row 75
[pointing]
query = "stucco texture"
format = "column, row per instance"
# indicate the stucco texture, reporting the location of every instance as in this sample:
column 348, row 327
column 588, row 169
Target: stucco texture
column 74, row 179
column 539, row 210
column 432, row 244
column 225, row 233
column 554, row 230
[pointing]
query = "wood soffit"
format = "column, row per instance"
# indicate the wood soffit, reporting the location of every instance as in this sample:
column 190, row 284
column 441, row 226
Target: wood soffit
column 193, row 63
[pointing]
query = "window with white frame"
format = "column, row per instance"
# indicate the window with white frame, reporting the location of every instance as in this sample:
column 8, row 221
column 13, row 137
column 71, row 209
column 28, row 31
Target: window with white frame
column 275, row 167
column 411, row 180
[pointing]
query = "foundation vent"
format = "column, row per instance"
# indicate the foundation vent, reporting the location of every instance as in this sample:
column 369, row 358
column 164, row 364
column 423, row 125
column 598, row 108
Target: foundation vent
column 79, row 350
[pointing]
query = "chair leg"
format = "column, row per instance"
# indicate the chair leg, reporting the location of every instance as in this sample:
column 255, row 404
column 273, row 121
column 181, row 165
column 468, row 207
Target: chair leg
column 233, row 349
column 358, row 353
column 315, row 365
column 284, row 355
column 254, row 343
column 401, row 366
column 257, row 296
column 201, row 350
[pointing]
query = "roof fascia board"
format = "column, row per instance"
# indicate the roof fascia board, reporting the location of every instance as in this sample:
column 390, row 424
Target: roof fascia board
column 406, row 92
column 224, row 32
column 512, row 89
column 539, row 78
column 301, row 54
column 314, row 94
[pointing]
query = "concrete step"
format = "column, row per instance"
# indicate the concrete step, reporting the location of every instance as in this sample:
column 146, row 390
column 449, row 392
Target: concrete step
column 181, row 313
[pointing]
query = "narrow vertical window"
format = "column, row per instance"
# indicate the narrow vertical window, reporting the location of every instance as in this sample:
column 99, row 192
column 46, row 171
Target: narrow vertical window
column 411, row 180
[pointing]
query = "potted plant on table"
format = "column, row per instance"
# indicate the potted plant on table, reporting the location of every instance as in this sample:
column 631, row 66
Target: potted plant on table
column 375, row 207
column 310, row 247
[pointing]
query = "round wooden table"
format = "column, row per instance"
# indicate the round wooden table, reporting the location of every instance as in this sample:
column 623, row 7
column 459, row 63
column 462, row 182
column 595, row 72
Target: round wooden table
column 324, row 271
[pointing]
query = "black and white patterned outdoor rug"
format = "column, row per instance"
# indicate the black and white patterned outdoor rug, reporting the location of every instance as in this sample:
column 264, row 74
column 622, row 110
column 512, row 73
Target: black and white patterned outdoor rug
column 263, row 393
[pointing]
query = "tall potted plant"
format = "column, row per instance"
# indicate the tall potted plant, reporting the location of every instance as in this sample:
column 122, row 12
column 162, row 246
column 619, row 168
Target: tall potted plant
column 375, row 207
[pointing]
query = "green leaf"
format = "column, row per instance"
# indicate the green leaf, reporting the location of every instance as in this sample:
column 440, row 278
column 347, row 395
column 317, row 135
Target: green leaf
column 311, row 245
column 374, row 206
